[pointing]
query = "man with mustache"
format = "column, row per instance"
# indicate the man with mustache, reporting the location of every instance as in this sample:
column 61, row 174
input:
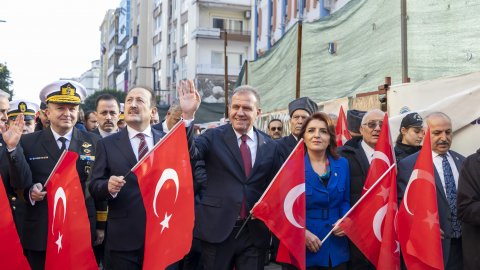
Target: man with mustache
column 447, row 164
column 107, row 110
column 359, row 153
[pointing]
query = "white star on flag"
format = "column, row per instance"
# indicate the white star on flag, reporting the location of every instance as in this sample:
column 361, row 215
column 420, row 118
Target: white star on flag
column 59, row 242
column 384, row 193
column 431, row 219
column 165, row 221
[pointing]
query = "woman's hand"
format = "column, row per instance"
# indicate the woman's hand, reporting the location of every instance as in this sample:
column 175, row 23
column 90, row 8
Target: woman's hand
column 312, row 242
column 337, row 231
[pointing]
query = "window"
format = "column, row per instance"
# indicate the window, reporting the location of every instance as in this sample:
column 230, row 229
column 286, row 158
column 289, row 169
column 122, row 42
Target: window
column 158, row 22
column 235, row 25
column 217, row 59
column 184, row 33
column 218, row 23
column 157, row 50
column 183, row 66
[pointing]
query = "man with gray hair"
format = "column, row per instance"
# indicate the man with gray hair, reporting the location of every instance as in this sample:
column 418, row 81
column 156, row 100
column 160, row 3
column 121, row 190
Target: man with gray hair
column 447, row 165
column 359, row 153
column 240, row 162
column 174, row 114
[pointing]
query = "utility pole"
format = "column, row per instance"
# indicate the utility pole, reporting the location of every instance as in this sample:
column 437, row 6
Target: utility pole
column 225, row 39
column 404, row 44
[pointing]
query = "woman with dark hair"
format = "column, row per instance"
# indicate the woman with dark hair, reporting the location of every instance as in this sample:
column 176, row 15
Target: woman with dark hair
column 327, row 190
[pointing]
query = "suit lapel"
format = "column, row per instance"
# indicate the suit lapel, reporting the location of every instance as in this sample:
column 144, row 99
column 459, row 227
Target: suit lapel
column 50, row 145
column 335, row 168
column 230, row 140
column 157, row 135
column 125, row 147
column 438, row 184
column 261, row 144
column 74, row 143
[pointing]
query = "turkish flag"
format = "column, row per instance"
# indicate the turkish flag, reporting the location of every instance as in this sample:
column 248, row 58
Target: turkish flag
column 370, row 225
column 341, row 129
column 11, row 252
column 69, row 244
column 282, row 208
column 417, row 222
column 166, row 183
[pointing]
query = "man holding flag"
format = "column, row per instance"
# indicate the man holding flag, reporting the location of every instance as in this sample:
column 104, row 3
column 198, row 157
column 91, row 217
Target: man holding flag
column 33, row 157
column 447, row 164
column 112, row 180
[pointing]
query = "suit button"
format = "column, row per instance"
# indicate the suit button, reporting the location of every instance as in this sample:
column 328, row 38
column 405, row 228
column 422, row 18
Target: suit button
column 14, row 208
column 14, row 199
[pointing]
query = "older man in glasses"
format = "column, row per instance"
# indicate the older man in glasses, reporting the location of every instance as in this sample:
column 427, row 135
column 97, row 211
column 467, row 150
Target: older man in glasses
column 275, row 128
column 359, row 153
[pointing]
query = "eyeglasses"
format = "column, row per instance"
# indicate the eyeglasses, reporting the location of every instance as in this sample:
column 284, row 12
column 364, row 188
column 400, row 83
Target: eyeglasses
column 276, row 128
column 373, row 124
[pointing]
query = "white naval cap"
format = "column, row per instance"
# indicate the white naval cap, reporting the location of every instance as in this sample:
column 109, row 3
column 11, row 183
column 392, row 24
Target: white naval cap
column 63, row 91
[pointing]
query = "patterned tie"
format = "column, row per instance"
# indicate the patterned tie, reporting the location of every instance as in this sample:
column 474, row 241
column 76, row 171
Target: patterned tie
column 142, row 147
column 247, row 164
column 63, row 140
column 451, row 195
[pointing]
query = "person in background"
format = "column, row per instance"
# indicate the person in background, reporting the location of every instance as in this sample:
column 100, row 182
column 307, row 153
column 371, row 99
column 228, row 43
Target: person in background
column 155, row 119
column 28, row 109
column 107, row 111
column 90, row 121
column 327, row 190
column 409, row 140
column 42, row 119
column 174, row 114
column 121, row 118
column 354, row 122
column 275, row 128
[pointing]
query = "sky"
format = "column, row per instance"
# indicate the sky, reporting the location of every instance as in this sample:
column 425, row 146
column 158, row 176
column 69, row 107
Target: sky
column 43, row 41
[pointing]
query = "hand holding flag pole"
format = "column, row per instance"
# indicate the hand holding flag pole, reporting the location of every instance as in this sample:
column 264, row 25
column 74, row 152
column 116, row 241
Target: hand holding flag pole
column 361, row 199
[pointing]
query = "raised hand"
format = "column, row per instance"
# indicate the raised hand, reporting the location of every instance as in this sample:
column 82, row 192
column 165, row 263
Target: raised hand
column 189, row 99
column 14, row 132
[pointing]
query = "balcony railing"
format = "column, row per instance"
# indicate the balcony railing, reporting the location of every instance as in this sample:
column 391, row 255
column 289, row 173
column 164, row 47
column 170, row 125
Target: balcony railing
column 217, row 69
column 217, row 33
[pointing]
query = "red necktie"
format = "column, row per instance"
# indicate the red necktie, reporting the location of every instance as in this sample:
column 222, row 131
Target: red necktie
column 142, row 147
column 247, row 164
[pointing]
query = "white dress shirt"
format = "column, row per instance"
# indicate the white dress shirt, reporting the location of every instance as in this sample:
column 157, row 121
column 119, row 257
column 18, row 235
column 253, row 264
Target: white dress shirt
column 437, row 161
column 252, row 142
column 369, row 151
column 135, row 142
column 67, row 136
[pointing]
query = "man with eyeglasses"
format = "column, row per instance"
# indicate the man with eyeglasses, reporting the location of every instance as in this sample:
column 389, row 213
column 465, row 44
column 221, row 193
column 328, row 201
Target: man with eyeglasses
column 359, row 153
column 275, row 128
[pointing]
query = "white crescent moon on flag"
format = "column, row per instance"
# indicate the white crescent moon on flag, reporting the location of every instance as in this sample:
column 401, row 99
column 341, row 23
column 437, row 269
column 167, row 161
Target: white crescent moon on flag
column 167, row 174
column 292, row 195
column 59, row 195
column 379, row 155
column 377, row 222
column 416, row 175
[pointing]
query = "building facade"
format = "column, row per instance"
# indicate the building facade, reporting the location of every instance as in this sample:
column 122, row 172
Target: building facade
column 91, row 78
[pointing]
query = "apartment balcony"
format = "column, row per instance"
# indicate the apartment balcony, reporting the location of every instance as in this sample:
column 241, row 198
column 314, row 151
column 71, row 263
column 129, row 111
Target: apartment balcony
column 216, row 33
column 230, row 4
column 117, row 49
column 122, row 60
column 112, row 34
column 132, row 41
column 209, row 69
column 113, row 69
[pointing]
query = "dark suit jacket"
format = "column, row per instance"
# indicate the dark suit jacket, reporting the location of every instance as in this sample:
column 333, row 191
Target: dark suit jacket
column 96, row 132
column 219, row 207
column 405, row 168
column 286, row 145
column 468, row 199
column 32, row 162
column 159, row 126
column 126, row 213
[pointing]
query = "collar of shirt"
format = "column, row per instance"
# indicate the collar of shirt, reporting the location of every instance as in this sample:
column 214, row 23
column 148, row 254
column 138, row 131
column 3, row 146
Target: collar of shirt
column 132, row 132
column 368, row 151
column 251, row 142
column 164, row 127
column 67, row 136
column 105, row 134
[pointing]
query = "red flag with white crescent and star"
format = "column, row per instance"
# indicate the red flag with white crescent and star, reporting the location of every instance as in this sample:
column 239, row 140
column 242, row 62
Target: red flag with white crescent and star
column 417, row 222
column 341, row 129
column 166, row 184
column 370, row 225
column 69, row 244
column 11, row 252
column 282, row 208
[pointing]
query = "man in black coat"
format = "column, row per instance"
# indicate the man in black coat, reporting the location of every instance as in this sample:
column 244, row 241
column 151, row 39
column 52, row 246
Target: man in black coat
column 447, row 164
column 468, row 200
column 359, row 153
column 33, row 157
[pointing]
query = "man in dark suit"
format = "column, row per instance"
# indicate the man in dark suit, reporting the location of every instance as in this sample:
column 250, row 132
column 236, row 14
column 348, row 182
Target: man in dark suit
column 33, row 157
column 359, row 153
column 240, row 162
column 447, row 164
column 174, row 114
column 116, row 156
column 107, row 111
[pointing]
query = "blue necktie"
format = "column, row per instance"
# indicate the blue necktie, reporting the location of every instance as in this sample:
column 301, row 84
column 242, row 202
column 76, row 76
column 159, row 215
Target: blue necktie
column 451, row 196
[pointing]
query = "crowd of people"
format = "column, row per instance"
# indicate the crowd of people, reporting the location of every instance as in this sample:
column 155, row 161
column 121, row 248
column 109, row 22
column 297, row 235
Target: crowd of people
column 232, row 166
